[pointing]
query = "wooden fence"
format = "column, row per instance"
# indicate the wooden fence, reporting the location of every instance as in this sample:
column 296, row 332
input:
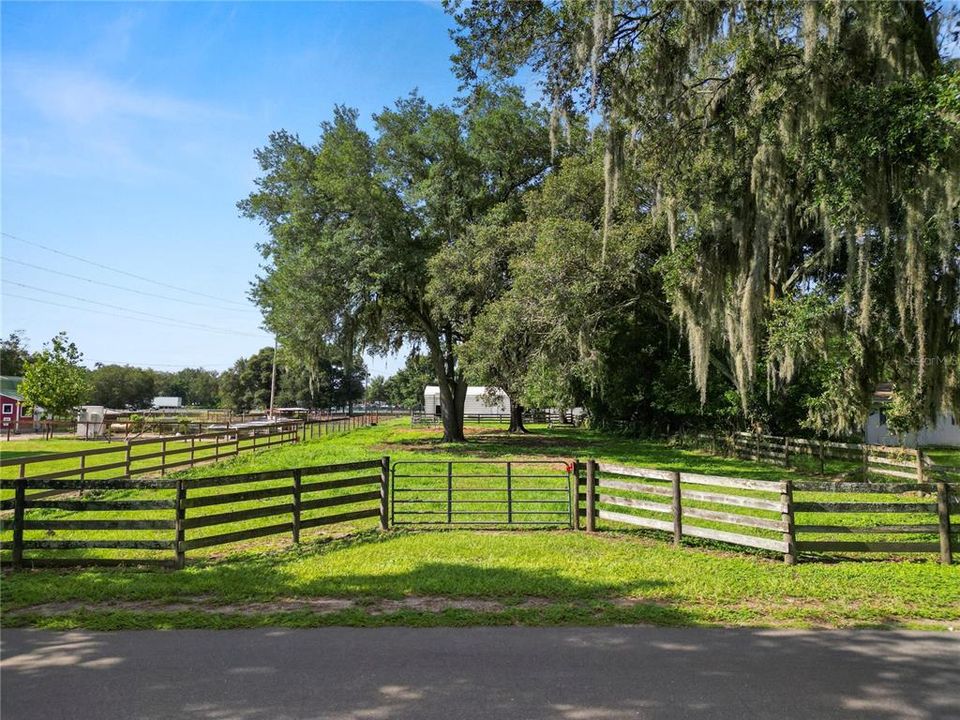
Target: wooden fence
column 764, row 513
column 149, row 456
column 175, row 516
column 419, row 417
column 883, row 460
column 188, row 514
column 153, row 455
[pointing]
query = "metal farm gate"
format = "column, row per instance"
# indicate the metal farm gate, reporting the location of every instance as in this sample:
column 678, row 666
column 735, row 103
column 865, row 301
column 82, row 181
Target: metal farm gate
column 482, row 492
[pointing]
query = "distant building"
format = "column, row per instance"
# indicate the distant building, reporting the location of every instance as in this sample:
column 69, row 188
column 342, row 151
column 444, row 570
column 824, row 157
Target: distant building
column 478, row 401
column 945, row 431
column 13, row 413
column 163, row 402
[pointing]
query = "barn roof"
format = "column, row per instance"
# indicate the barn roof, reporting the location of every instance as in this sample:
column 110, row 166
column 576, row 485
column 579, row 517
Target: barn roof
column 9, row 385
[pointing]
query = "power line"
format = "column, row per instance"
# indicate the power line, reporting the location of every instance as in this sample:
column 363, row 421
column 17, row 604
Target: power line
column 126, row 317
column 117, row 270
column 121, row 287
column 114, row 307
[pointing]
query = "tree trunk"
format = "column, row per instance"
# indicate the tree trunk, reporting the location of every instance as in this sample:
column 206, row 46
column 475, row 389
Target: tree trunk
column 453, row 395
column 516, row 418
column 453, row 390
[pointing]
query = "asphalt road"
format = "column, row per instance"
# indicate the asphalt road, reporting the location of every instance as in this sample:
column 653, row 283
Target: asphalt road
column 449, row 673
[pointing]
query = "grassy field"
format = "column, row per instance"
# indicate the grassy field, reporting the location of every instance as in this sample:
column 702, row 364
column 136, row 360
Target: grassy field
column 489, row 577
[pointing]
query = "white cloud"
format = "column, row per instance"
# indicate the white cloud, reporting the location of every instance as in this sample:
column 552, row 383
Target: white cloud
column 70, row 122
column 77, row 97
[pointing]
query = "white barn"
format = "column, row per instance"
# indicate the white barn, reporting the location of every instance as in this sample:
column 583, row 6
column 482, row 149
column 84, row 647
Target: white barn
column 946, row 431
column 477, row 402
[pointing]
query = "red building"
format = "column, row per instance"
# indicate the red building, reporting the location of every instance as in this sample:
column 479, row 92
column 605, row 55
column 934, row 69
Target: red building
column 12, row 412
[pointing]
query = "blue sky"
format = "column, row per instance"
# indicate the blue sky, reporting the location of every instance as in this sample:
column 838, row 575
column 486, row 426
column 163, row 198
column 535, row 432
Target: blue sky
column 128, row 133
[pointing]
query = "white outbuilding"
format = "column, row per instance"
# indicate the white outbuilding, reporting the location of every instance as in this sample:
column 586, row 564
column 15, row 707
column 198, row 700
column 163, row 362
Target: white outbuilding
column 945, row 431
column 480, row 400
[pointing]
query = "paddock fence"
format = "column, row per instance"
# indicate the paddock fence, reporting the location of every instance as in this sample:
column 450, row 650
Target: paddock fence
column 546, row 417
column 149, row 456
column 785, row 517
column 158, row 521
column 886, row 461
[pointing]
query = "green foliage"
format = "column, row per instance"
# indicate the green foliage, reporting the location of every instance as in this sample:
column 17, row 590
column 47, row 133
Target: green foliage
column 122, row 387
column 246, row 386
column 905, row 412
column 376, row 390
column 196, row 386
column 405, row 387
column 14, row 355
column 355, row 219
column 54, row 380
column 798, row 149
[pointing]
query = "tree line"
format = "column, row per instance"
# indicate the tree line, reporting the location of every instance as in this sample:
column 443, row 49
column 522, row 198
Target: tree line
column 736, row 214
column 55, row 379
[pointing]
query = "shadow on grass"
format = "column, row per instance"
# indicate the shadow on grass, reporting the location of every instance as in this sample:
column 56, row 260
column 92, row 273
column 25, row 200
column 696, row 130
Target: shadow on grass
column 401, row 565
column 20, row 454
column 569, row 443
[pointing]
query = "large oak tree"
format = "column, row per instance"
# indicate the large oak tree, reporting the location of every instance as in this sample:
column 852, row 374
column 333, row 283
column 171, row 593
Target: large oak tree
column 355, row 219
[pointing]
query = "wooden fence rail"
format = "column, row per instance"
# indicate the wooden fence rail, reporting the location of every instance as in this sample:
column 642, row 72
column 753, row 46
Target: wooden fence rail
column 185, row 517
column 882, row 460
column 148, row 456
column 419, row 417
column 673, row 501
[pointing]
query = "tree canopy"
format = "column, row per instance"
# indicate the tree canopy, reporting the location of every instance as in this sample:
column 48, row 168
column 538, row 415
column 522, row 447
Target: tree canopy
column 54, row 379
column 802, row 162
column 355, row 219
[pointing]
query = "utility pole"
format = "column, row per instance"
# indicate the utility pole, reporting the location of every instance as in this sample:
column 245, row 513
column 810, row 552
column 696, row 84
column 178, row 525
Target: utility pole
column 273, row 376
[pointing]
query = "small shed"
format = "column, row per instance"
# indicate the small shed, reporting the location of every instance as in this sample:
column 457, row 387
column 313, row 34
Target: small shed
column 480, row 400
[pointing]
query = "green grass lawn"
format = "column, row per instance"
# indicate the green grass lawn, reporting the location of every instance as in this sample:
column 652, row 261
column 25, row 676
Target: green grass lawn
column 944, row 456
column 484, row 577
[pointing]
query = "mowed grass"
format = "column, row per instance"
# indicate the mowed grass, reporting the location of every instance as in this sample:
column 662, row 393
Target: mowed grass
column 477, row 577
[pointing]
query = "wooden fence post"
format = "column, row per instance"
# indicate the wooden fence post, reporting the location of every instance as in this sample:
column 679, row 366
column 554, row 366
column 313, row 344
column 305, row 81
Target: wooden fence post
column 920, row 468
column 676, row 509
column 756, row 447
column 20, row 496
column 591, row 495
column 127, row 458
column 943, row 516
column 384, row 489
column 180, row 530
column 297, row 476
column 786, row 517
column 575, row 500
column 193, row 449
column 820, row 451
column 163, row 456
column 786, row 451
